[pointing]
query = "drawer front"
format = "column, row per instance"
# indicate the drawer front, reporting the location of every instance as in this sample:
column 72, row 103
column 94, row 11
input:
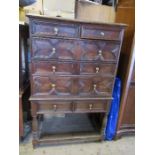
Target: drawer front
column 84, row 86
column 99, row 51
column 97, row 68
column 95, row 86
column 52, row 85
column 91, row 106
column 54, row 29
column 100, row 32
column 52, row 67
column 68, row 68
column 54, row 107
column 46, row 48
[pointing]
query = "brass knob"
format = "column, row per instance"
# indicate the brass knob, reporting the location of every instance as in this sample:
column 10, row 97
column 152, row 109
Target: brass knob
column 53, row 50
column 102, row 33
column 55, row 107
column 97, row 69
column 94, row 86
column 90, row 106
column 100, row 53
column 53, row 85
column 53, row 68
column 56, row 30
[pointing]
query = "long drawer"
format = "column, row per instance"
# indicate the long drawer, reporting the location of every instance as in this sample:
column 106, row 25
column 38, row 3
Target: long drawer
column 73, row 106
column 72, row 68
column 84, row 50
column 80, row 86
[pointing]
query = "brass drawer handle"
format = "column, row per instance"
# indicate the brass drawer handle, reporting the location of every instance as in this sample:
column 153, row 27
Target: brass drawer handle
column 56, row 30
column 97, row 69
column 53, row 50
column 55, row 107
column 90, row 106
column 53, row 85
column 102, row 33
column 53, row 69
column 100, row 53
column 94, row 86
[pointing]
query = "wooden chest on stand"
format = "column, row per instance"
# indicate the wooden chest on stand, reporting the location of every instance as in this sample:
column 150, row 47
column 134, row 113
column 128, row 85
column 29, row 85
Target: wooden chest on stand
column 73, row 68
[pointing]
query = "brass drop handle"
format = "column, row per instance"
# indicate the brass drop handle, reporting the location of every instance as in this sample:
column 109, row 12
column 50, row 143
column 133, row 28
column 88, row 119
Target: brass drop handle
column 53, row 50
column 53, row 85
column 94, row 86
column 55, row 107
column 102, row 33
column 56, row 30
column 97, row 69
column 90, row 106
column 100, row 53
column 53, row 69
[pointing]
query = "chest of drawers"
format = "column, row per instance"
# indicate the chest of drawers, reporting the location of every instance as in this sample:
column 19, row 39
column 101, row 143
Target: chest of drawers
column 73, row 67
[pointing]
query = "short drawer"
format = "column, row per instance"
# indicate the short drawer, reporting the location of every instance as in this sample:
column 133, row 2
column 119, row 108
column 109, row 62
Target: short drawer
column 96, row 86
column 91, row 106
column 47, row 48
column 55, row 86
column 97, row 68
column 54, row 29
column 100, row 32
column 44, row 107
column 52, row 67
column 99, row 51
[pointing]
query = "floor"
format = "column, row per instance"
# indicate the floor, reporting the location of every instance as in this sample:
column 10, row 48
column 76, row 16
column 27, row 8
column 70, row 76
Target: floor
column 123, row 146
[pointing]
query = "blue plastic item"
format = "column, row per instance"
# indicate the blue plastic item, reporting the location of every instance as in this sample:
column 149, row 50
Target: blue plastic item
column 114, row 111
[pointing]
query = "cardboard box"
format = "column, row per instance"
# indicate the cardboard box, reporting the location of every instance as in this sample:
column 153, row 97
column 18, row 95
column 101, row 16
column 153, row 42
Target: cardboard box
column 95, row 12
column 60, row 8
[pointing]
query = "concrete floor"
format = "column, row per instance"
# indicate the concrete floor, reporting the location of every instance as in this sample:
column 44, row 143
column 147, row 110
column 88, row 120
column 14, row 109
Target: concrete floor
column 123, row 146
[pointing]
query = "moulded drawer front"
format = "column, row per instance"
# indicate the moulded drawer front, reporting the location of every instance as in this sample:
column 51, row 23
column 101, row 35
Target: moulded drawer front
column 97, row 68
column 51, row 85
column 54, row 29
column 52, row 67
column 99, row 50
column 91, row 106
column 100, row 32
column 95, row 86
column 55, row 107
column 46, row 48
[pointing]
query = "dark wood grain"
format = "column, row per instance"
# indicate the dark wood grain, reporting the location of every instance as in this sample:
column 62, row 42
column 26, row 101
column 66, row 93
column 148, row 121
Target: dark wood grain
column 64, row 85
column 100, row 32
column 63, row 49
column 73, row 67
column 54, row 29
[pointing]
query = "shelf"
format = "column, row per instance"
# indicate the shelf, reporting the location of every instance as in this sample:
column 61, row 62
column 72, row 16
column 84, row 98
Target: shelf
column 66, row 128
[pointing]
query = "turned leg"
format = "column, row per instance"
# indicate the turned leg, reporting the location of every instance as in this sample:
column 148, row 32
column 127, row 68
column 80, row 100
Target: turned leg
column 34, row 125
column 104, row 123
column 21, row 122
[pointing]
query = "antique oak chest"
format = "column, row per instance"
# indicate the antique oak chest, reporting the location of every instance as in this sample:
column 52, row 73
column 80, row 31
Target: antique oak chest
column 73, row 68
